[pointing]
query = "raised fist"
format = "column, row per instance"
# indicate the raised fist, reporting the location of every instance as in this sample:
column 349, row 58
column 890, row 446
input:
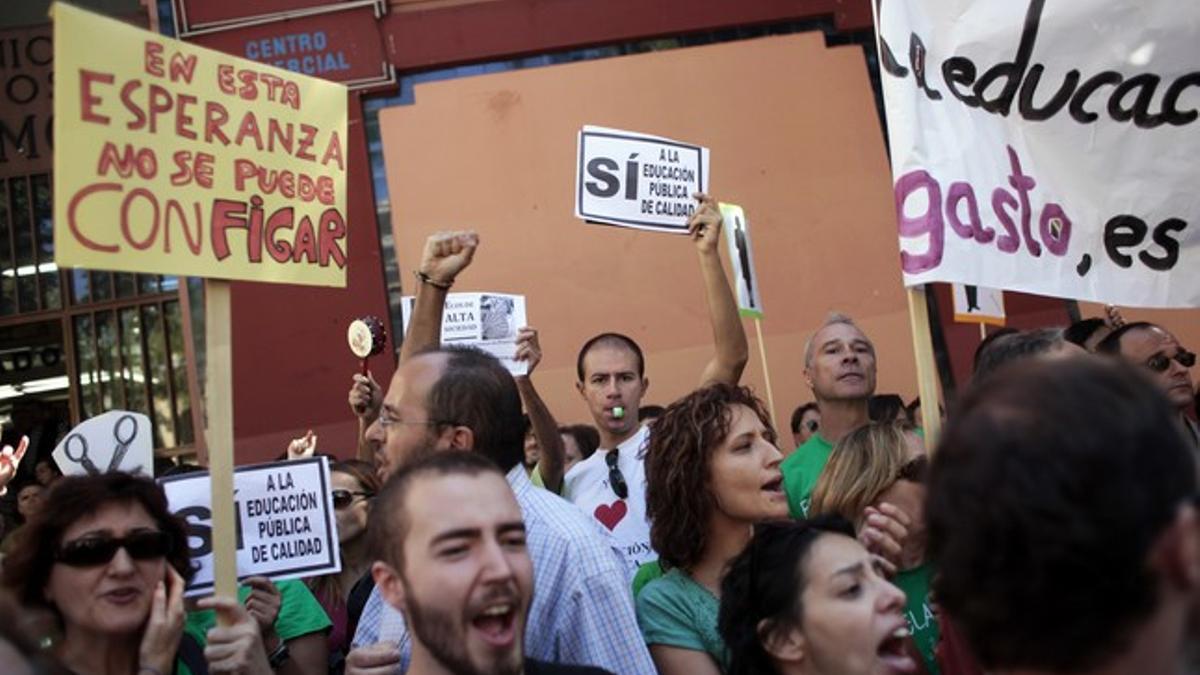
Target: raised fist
column 446, row 254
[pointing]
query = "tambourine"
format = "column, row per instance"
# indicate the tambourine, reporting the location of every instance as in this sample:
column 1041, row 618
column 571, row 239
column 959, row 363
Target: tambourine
column 367, row 338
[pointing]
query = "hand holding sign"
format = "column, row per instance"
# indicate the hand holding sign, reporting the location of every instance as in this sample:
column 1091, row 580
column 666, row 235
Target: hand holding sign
column 10, row 459
column 528, row 349
column 704, row 225
column 115, row 441
column 446, row 254
column 263, row 603
column 235, row 646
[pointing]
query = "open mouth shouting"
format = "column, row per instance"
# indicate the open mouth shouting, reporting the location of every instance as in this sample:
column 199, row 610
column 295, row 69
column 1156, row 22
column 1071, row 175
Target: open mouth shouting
column 893, row 651
column 496, row 623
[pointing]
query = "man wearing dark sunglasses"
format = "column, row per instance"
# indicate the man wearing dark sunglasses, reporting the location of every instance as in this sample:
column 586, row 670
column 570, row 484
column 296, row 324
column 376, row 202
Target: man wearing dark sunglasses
column 1154, row 349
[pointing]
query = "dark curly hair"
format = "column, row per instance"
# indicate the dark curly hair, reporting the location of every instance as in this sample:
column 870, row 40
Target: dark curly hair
column 679, row 497
column 27, row 568
column 765, row 583
column 1051, row 484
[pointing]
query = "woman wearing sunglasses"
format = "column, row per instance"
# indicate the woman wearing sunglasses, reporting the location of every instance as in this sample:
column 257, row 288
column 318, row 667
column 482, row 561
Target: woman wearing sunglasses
column 875, row 479
column 354, row 485
column 806, row 598
column 712, row 473
column 108, row 560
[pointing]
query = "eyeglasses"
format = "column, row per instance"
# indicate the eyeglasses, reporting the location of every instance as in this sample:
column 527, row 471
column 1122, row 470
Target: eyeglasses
column 93, row 551
column 344, row 498
column 914, row 470
column 1160, row 362
column 615, row 478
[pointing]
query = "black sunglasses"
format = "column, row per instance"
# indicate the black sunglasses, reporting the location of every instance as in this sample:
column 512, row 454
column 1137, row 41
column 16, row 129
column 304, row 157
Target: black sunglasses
column 344, row 498
column 615, row 478
column 93, row 551
column 914, row 470
column 1160, row 362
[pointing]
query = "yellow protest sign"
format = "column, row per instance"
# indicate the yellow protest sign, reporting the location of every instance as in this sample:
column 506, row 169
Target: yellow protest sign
column 175, row 159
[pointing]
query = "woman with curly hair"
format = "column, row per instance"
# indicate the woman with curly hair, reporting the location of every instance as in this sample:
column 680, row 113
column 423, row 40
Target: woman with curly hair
column 712, row 473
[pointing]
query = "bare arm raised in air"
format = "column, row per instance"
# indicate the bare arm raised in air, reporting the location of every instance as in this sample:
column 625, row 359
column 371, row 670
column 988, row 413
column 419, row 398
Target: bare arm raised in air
column 729, row 337
column 446, row 255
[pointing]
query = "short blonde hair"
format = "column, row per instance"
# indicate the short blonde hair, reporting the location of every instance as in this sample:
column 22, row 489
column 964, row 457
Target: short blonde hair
column 862, row 465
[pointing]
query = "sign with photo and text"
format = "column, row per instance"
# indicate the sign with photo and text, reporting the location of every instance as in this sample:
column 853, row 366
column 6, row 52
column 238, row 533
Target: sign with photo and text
column 488, row 321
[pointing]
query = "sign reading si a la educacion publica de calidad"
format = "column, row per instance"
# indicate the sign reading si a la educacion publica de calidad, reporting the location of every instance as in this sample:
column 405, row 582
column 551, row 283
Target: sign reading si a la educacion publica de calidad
column 630, row 179
column 286, row 525
column 175, row 159
column 1050, row 148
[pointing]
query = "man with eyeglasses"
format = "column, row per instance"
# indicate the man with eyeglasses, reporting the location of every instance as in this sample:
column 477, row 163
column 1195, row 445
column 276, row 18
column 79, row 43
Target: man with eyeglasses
column 610, row 486
column 1156, row 350
column 463, row 399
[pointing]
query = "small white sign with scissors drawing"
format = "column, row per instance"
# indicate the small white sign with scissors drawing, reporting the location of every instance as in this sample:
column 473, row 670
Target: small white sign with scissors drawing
column 118, row 440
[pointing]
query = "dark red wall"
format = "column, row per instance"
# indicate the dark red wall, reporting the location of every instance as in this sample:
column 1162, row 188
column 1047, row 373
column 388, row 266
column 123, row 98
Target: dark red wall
column 292, row 366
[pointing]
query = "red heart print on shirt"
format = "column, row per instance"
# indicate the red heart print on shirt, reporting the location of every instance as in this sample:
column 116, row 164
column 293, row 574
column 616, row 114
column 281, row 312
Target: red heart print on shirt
column 611, row 514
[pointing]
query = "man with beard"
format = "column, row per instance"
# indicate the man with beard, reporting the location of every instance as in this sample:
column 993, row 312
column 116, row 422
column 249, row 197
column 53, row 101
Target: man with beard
column 451, row 547
column 446, row 399
column 839, row 366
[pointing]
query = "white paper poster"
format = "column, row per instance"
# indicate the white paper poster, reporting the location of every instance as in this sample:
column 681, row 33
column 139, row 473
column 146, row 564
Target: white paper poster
column 117, row 440
column 636, row 180
column 974, row 304
column 741, row 258
column 286, row 523
column 1043, row 147
column 489, row 321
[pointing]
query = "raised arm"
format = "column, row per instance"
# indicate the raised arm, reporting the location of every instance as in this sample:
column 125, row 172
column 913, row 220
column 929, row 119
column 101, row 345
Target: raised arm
column 729, row 337
column 446, row 254
column 545, row 429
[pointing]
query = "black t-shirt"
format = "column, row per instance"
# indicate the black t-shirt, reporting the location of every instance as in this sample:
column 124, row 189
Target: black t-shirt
column 539, row 668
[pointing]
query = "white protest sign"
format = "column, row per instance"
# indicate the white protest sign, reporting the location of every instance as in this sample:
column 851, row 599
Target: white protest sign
column 488, row 321
column 974, row 304
column 117, row 440
column 635, row 180
column 741, row 257
column 286, row 522
column 1050, row 148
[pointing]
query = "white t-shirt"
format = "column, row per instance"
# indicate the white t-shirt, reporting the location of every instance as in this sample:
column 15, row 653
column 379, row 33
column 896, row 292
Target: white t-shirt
column 586, row 486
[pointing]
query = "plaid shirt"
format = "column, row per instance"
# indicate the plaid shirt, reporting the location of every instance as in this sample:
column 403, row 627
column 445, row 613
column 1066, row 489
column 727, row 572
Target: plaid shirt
column 582, row 611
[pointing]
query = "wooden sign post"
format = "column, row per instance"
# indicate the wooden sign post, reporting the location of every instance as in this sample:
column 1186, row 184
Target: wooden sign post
column 143, row 185
column 927, row 387
column 219, row 405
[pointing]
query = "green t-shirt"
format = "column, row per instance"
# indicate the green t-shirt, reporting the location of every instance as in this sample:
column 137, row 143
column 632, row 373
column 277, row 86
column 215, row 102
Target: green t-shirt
column 919, row 611
column 801, row 470
column 299, row 614
column 675, row 611
column 645, row 574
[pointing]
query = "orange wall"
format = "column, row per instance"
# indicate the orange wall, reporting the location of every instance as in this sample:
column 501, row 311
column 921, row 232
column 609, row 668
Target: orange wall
column 795, row 139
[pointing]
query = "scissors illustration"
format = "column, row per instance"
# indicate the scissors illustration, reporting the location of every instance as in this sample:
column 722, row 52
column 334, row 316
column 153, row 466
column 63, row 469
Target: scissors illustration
column 80, row 456
column 123, row 441
column 124, row 431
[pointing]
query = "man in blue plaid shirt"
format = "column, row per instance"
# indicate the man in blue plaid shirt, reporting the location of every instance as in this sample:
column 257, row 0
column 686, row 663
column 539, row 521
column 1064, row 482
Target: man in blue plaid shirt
column 582, row 611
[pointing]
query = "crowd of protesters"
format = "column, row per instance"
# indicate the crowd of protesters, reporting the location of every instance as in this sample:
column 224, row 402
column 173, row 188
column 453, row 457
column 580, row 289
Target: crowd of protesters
column 1053, row 528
